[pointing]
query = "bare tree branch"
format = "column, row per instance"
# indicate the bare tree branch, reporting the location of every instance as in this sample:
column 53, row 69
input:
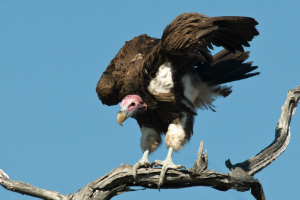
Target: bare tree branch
column 282, row 138
column 25, row 188
column 120, row 179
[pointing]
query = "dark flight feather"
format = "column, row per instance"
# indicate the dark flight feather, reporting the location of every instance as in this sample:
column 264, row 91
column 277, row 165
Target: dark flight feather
column 186, row 30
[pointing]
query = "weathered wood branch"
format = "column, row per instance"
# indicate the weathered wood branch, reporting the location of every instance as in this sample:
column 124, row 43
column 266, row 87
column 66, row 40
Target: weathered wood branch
column 282, row 138
column 120, row 179
column 25, row 188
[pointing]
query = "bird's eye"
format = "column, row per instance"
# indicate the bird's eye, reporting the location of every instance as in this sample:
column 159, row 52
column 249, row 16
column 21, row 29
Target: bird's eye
column 132, row 104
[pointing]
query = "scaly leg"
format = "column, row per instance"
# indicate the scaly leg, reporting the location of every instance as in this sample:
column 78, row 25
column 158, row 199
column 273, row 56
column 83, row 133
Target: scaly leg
column 166, row 164
column 143, row 162
column 150, row 140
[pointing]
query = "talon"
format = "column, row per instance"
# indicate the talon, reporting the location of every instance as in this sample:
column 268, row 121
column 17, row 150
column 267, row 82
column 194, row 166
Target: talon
column 135, row 168
column 156, row 163
column 166, row 164
column 143, row 162
column 181, row 167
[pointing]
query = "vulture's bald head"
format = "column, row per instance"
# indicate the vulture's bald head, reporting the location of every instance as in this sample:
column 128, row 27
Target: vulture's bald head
column 131, row 105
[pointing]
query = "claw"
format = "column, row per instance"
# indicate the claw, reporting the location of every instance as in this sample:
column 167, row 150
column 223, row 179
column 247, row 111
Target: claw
column 141, row 163
column 135, row 168
column 181, row 167
column 155, row 163
column 162, row 176
column 166, row 164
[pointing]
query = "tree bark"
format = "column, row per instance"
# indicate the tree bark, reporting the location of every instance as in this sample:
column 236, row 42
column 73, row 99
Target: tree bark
column 120, row 179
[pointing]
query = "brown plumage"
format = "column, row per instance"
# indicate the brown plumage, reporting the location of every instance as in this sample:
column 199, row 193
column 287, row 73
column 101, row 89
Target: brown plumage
column 175, row 75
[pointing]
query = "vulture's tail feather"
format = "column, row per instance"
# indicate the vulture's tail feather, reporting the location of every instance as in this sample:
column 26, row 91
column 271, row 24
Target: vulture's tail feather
column 226, row 67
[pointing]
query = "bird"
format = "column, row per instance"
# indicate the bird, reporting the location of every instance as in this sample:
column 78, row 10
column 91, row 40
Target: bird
column 161, row 83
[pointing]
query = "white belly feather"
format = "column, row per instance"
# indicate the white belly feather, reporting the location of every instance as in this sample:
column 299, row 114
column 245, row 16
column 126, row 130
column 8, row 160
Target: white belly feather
column 195, row 90
column 163, row 82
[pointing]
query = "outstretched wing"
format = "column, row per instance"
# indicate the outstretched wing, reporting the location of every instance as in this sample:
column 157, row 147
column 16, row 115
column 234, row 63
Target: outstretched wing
column 117, row 80
column 227, row 67
column 191, row 31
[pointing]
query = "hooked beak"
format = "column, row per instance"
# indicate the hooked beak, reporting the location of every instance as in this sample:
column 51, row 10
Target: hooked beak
column 122, row 116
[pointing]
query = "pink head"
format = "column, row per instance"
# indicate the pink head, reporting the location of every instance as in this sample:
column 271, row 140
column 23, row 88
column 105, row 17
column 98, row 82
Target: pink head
column 131, row 105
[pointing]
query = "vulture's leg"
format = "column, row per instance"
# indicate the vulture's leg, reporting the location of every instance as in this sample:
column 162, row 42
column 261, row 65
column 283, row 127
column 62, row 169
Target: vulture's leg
column 166, row 164
column 178, row 134
column 143, row 162
column 150, row 140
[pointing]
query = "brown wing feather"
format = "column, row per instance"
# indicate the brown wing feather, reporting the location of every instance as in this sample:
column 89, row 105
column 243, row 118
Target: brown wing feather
column 191, row 31
column 128, row 73
column 123, row 74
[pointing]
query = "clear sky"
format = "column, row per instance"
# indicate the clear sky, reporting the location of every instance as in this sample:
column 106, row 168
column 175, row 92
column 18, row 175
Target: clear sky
column 55, row 133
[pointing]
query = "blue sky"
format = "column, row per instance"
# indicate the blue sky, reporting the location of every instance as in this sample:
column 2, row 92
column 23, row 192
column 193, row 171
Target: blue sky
column 55, row 133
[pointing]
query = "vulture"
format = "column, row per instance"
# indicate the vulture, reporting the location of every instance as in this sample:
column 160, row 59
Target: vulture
column 162, row 82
